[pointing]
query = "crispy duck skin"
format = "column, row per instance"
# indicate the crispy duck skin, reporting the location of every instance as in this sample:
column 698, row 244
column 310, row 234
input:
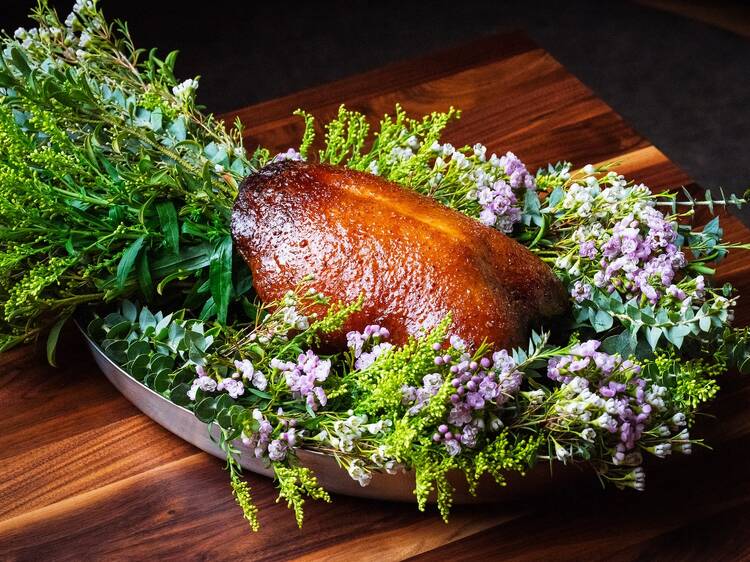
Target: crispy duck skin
column 414, row 260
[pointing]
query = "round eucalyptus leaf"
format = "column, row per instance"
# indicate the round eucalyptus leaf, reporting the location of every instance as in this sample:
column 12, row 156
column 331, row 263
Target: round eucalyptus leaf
column 138, row 367
column 224, row 401
column 183, row 376
column 116, row 350
column 119, row 330
column 162, row 381
column 114, row 318
column 160, row 362
column 138, row 348
column 205, row 410
column 179, row 396
column 96, row 330
column 224, row 418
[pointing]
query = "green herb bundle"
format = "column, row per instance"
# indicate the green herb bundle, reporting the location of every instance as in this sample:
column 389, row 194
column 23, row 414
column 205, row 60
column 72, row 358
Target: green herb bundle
column 112, row 182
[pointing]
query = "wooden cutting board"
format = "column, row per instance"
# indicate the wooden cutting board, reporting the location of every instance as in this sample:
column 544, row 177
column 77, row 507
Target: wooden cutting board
column 85, row 475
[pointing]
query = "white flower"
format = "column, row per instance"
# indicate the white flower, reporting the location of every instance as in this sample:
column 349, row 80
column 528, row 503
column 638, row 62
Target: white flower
column 358, row 472
column 679, row 419
column 291, row 317
column 480, row 151
column 662, row 450
column 251, row 374
column 81, row 6
column 20, row 33
column 562, row 453
column 457, row 343
column 460, row 160
column 588, row 434
column 84, row 39
column 535, row 396
column 638, row 479
column 663, row 431
column 448, row 149
column 605, row 421
column 183, row 90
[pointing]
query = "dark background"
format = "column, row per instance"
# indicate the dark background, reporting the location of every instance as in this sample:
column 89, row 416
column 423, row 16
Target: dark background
column 680, row 77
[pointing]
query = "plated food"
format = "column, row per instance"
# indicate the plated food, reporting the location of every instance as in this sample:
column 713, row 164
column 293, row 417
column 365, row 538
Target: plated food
column 409, row 306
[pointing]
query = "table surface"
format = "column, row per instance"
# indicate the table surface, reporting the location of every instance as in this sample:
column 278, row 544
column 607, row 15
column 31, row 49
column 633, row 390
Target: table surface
column 86, row 475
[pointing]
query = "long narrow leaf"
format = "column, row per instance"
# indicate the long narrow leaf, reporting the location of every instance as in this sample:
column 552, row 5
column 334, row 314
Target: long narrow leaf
column 220, row 277
column 169, row 226
column 53, row 338
column 127, row 261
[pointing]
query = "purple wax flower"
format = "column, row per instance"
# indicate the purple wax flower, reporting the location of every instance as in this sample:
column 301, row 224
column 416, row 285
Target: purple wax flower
column 232, row 387
column 303, row 378
column 290, row 154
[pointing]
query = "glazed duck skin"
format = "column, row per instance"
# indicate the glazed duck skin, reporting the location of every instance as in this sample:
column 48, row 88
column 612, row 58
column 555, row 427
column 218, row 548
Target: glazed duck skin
column 414, row 260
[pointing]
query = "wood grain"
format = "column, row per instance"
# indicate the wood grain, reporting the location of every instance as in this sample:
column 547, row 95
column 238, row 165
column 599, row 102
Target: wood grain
column 86, row 476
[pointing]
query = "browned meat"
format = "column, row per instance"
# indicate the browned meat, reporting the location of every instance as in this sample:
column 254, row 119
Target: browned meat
column 413, row 259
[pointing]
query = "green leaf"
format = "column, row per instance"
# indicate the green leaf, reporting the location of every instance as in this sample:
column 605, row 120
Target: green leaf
column 127, row 261
column 220, row 277
column 179, row 396
column 138, row 348
column 162, row 381
column 169, row 225
column 602, row 321
column 116, row 350
column 146, row 320
column 161, row 363
column 259, row 393
column 205, row 410
column 143, row 273
column 53, row 338
column 120, row 330
column 95, row 329
column 208, row 310
column 653, row 335
column 129, row 310
column 138, row 368
column 19, row 59
column 618, row 344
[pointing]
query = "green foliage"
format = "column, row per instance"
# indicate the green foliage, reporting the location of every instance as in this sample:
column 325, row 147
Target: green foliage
column 296, row 482
column 432, row 477
column 241, row 493
column 110, row 178
column 506, row 452
column 691, row 382
column 378, row 388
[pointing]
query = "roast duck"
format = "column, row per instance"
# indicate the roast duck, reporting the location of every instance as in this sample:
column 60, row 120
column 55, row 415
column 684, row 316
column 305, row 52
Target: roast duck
column 414, row 260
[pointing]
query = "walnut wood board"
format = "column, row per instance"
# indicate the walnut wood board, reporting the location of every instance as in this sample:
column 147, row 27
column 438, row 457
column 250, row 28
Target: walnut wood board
column 86, row 476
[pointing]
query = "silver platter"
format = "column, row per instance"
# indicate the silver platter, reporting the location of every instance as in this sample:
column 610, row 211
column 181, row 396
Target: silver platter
column 383, row 486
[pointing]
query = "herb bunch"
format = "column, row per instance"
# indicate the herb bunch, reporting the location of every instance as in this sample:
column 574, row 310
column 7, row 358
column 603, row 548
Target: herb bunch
column 111, row 179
